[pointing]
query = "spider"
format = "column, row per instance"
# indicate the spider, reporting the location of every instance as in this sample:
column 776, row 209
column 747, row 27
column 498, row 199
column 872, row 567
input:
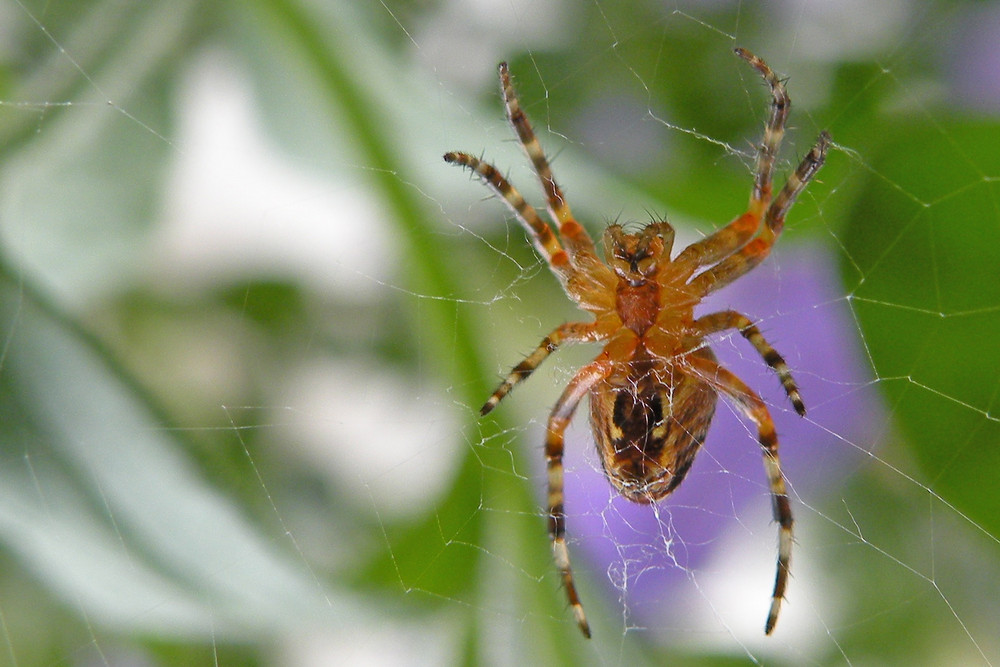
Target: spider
column 654, row 386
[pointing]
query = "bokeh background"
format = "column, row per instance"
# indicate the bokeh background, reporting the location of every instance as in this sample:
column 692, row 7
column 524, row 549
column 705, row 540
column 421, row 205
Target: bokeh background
column 249, row 316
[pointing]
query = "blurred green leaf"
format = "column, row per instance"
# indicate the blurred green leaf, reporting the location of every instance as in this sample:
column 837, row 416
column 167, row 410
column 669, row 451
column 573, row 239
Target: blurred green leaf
column 444, row 550
column 923, row 253
column 99, row 502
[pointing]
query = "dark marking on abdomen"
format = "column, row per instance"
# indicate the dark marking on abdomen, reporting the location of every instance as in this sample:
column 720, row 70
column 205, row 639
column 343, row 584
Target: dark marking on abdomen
column 648, row 432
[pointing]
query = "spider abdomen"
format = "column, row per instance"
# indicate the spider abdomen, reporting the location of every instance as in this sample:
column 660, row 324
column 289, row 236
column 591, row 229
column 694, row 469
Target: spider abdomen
column 648, row 430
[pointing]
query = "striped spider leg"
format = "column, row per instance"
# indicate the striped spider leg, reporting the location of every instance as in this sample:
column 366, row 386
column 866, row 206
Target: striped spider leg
column 584, row 278
column 653, row 388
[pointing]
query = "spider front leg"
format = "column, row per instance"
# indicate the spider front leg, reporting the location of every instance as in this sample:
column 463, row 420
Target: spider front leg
column 558, row 207
column 754, row 408
column 573, row 234
column 774, row 131
column 774, row 219
column 538, row 231
column 753, row 253
column 737, row 233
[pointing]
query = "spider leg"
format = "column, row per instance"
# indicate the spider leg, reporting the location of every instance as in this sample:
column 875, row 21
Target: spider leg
column 774, row 131
column 753, row 407
column 775, row 218
column 720, row 244
column 575, row 332
column 730, row 319
column 559, row 419
column 753, row 253
column 737, row 233
column 572, row 233
column 558, row 206
column 538, row 231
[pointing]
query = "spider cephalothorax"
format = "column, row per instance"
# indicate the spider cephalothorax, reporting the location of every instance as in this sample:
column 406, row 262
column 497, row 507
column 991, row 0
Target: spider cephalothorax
column 654, row 386
column 636, row 258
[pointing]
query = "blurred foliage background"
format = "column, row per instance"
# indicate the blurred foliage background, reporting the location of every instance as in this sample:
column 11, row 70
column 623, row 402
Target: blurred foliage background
column 249, row 316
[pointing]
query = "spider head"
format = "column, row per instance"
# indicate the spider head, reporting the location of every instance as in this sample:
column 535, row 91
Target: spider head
column 636, row 257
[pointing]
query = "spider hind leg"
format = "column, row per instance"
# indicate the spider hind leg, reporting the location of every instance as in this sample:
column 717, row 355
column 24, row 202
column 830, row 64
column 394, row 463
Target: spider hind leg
column 754, row 408
column 563, row 411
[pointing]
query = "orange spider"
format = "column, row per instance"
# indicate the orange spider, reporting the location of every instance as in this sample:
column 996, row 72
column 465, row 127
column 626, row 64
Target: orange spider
column 654, row 386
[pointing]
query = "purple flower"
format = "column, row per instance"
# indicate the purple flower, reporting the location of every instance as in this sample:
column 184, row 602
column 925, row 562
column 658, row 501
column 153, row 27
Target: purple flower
column 974, row 59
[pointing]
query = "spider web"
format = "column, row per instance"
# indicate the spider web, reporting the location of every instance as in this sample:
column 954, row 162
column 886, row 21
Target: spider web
column 249, row 318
